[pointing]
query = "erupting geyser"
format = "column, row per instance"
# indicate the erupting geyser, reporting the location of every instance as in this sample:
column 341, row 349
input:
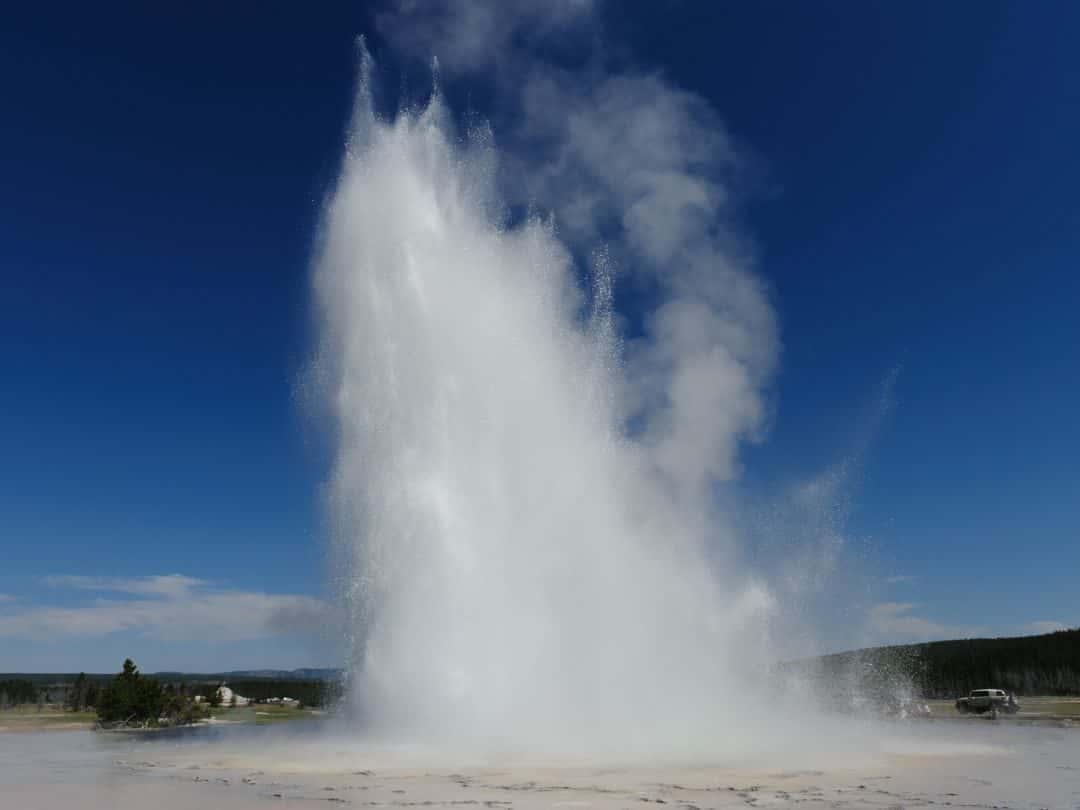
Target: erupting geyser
column 526, row 506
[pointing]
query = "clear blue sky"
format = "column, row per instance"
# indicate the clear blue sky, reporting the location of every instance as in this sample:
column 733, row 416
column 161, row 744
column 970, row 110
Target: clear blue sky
column 913, row 202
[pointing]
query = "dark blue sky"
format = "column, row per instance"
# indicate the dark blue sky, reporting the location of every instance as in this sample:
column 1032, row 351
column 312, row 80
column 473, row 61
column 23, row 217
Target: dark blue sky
column 912, row 199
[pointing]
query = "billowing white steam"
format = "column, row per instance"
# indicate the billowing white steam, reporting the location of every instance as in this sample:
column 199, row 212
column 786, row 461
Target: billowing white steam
column 523, row 567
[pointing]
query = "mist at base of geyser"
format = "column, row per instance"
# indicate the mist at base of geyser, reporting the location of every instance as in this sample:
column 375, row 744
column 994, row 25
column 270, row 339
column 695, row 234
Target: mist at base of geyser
column 521, row 570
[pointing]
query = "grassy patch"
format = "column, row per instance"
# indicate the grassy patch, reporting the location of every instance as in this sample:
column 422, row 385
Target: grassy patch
column 263, row 715
column 1057, row 706
column 267, row 715
column 28, row 718
column 68, row 717
column 1035, row 706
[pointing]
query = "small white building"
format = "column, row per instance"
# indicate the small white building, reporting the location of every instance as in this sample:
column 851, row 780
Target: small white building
column 283, row 701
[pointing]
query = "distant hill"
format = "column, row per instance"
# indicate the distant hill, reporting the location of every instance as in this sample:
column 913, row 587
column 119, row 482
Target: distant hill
column 287, row 674
column 1047, row 664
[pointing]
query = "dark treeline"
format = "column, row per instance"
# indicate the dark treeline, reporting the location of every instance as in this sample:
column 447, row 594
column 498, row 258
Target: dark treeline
column 1028, row 665
column 83, row 691
column 83, row 694
column 15, row 691
column 53, row 678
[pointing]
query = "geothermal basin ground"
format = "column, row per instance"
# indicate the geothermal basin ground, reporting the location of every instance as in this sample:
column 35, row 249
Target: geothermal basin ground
column 894, row 765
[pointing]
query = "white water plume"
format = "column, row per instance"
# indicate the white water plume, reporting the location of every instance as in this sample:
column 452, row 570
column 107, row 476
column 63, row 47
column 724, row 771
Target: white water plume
column 521, row 568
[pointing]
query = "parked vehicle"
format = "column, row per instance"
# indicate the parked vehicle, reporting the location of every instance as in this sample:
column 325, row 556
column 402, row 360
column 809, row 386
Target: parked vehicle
column 981, row 701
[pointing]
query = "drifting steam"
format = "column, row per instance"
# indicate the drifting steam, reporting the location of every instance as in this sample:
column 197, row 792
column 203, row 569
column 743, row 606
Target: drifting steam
column 526, row 502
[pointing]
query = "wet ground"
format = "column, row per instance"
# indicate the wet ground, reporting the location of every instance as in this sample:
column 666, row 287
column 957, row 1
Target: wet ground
column 923, row 764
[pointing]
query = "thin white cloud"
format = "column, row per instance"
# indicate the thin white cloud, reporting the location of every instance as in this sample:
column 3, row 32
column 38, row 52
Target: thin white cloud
column 6, row 597
column 900, row 622
column 1045, row 626
column 893, row 622
column 899, row 579
column 165, row 585
column 172, row 608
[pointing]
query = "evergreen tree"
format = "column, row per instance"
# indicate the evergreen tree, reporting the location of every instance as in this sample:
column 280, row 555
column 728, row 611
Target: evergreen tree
column 76, row 697
column 131, row 698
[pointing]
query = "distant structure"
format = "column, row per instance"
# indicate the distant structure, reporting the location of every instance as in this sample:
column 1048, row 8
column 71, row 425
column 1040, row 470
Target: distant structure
column 227, row 696
column 283, row 701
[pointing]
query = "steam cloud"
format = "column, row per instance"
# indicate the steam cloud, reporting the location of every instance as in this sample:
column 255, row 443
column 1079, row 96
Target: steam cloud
column 525, row 497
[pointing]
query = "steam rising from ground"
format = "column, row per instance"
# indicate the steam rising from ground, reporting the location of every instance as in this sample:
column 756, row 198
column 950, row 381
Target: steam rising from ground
column 526, row 504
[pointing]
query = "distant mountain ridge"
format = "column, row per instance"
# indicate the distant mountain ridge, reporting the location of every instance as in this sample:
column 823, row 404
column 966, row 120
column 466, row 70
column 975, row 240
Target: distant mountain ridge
column 1046, row 664
column 302, row 674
